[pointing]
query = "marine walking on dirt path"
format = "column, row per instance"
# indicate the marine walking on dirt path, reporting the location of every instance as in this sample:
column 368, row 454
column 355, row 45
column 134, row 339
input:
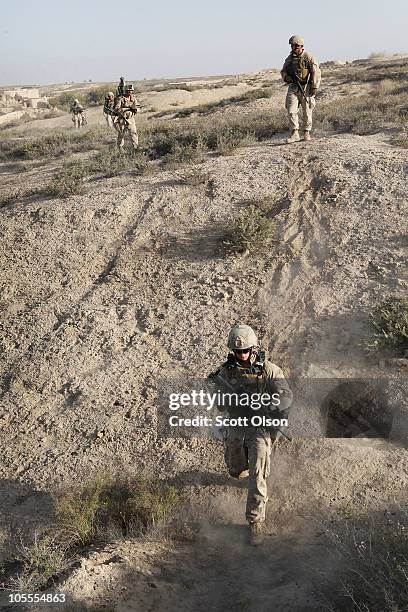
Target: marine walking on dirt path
column 123, row 114
column 302, row 73
column 78, row 114
column 247, row 449
column 108, row 108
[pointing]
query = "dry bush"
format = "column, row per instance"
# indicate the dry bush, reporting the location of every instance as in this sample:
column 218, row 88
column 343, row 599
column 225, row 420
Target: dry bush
column 68, row 181
column 107, row 503
column 252, row 231
column 389, row 326
column 384, row 87
column 195, row 177
column 39, row 562
column 374, row 551
column 364, row 114
column 112, row 162
column 57, row 144
column 401, row 140
column 88, row 514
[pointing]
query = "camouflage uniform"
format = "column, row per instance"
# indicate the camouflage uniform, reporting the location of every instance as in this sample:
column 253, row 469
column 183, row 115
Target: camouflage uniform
column 307, row 69
column 78, row 116
column 249, row 447
column 107, row 110
column 127, row 106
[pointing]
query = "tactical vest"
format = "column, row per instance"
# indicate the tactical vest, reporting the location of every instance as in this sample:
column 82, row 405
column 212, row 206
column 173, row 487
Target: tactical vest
column 300, row 67
column 242, row 381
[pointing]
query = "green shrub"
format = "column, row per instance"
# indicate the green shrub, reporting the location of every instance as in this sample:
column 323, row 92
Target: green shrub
column 389, row 323
column 251, row 232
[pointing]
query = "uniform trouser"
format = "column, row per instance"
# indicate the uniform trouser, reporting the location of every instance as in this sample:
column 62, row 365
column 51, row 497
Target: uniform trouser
column 295, row 100
column 250, row 448
column 108, row 120
column 130, row 128
column 77, row 119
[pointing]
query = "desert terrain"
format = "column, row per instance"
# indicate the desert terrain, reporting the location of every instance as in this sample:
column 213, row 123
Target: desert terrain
column 118, row 288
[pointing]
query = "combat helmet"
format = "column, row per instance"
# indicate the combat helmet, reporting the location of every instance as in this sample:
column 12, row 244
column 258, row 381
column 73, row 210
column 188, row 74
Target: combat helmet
column 130, row 87
column 110, row 94
column 296, row 39
column 241, row 336
column 76, row 101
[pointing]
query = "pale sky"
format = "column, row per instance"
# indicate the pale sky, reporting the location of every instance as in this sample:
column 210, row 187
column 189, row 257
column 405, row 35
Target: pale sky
column 53, row 41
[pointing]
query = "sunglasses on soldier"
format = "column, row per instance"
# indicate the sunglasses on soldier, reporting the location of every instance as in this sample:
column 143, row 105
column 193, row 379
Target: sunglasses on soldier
column 240, row 351
column 295, row 45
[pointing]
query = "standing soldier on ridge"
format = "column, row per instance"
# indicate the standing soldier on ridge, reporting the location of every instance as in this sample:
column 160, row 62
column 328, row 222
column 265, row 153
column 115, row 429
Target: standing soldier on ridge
column 302, row 73
column 78, row 115
column 248, row 446
column 108, row 108
column 124, row 111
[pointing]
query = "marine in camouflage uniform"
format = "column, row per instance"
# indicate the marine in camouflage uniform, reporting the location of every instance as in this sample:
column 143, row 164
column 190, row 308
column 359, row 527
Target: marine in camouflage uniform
column 78, row 115
column 125, row 109
column 108, row 108
column 300, row 67
column 248, row 448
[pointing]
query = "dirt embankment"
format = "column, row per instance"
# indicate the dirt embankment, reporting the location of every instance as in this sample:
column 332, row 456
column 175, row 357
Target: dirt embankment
column 113, row 298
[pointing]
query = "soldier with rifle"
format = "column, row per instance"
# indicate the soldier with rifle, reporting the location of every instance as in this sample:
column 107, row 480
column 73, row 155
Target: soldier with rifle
column 108, row 108
column 123, row 114
column 245, row 375
column 302, row 73
column 78, row 114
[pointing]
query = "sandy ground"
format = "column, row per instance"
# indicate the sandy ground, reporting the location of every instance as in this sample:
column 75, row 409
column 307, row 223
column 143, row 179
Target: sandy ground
column 111, row 299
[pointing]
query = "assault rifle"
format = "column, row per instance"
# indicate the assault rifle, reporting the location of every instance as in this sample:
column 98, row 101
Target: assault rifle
column 300, row 86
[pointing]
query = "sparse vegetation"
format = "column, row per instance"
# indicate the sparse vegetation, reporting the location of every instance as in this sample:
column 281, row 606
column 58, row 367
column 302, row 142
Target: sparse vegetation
column 68, row 181
column 57, row 144
column 101, row 508
column 363, row 114
column 14, row 195
column 374, row 553
column 39, row 562
column 253, row 94
column 195, row 177
column 106, row 503
column 389, row 322
column 401, row 140
column 111, row 162
column 251, row 232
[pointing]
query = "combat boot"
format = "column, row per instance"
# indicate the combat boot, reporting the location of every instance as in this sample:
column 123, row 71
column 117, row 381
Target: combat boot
column 294, row 137
column 306, row 135
column 256, row 532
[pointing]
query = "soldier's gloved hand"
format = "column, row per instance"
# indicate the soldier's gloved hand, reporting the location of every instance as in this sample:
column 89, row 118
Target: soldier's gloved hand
column 313, row 91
